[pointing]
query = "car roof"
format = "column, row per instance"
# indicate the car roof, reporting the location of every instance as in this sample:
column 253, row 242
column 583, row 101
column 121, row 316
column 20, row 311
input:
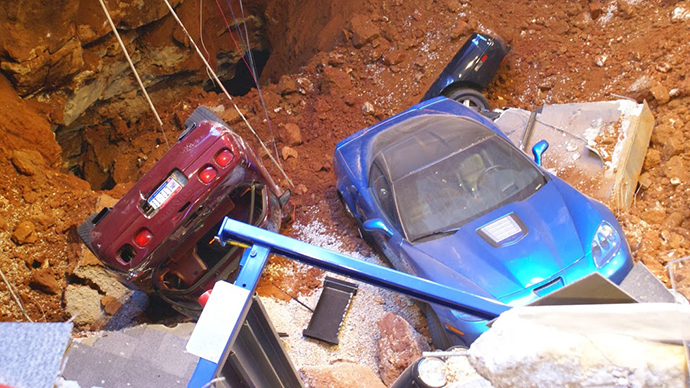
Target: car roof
column 412, row 144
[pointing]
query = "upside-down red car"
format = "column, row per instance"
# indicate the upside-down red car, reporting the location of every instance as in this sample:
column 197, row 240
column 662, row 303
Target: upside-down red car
column 160, row 236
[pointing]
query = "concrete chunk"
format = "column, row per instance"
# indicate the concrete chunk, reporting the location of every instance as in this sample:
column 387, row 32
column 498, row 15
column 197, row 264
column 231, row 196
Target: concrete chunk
column 574, row 346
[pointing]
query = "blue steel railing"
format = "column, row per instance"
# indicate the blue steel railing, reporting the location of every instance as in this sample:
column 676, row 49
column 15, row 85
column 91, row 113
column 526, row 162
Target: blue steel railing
column 262, row 243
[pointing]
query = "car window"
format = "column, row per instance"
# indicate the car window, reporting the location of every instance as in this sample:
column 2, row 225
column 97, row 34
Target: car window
column 457, row 188
column 382, row 190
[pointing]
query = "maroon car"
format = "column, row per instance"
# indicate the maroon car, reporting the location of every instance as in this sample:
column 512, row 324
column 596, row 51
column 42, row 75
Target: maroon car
column 160, row 236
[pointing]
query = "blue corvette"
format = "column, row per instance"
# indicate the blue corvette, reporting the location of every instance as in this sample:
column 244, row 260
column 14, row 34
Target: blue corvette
column 444, row 195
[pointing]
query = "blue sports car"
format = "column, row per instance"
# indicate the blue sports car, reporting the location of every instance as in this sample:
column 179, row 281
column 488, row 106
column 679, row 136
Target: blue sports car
column 444, row 195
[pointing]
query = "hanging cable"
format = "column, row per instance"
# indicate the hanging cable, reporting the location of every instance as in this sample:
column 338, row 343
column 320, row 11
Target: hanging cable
column 246, row 34
column 136, row 74
column 215, row 76
column 250, row 65
column 255, row 75
column 201, row 36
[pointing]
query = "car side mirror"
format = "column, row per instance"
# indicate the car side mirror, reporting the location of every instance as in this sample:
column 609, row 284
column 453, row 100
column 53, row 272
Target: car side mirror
column 538, row 150
column 377, row 225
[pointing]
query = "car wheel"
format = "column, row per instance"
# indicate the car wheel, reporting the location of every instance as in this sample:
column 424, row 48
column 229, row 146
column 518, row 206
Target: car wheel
column 348, row 211
column 438, row 334
column 468, row 97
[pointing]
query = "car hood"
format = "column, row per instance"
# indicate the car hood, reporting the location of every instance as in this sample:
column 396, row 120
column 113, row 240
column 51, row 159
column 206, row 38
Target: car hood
column 546, row 242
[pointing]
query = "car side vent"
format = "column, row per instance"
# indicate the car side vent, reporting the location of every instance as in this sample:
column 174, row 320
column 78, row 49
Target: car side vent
column 503, row 231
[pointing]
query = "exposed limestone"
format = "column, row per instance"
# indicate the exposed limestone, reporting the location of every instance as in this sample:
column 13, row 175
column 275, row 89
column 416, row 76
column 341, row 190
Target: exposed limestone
column 83, row 304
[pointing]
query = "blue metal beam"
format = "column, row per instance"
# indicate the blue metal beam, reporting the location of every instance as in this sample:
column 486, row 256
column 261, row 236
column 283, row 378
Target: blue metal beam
column 232, row 230
column 253, row 262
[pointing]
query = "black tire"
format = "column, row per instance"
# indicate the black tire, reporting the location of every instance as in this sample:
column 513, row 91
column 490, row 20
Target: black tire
column 469, row 97
column 348, row 211
column 438, row 334
column 201, row 113
column 84, row 230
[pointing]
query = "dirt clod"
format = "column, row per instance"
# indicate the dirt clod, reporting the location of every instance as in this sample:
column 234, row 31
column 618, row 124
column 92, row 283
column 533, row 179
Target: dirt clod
column 110, row 304
column 44, row 280
column 24, row 233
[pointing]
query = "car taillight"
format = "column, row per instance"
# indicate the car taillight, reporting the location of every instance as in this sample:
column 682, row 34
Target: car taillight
column 207, row 174
column 224, row 157
column 203, row 299
column 143, row 237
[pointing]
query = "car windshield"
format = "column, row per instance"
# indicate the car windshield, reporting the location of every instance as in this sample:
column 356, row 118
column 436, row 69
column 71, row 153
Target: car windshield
column 463, row 184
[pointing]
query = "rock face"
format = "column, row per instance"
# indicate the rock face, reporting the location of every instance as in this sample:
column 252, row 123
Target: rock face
column 516, row 353
column 63, row 57
column 397, row 347
column 341, row 375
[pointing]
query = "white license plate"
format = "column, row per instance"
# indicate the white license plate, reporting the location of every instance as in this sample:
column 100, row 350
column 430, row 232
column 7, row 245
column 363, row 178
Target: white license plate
column 165, row 192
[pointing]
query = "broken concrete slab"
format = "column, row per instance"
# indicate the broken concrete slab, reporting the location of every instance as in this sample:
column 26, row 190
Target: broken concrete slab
column 596, row 147
column 584, row 346
column 82, row 303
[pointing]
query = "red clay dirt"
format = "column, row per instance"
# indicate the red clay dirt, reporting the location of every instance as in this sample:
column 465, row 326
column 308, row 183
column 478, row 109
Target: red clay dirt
column 376, row 58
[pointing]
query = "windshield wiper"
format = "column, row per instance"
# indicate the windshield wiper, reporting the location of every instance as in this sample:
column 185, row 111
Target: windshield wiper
column 437, row 234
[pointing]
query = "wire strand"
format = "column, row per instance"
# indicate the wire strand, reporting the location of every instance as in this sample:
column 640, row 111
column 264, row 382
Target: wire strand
column 201, row 36
column 215, row 76
column 136, row 74
column 16, row 298
column 251, row 64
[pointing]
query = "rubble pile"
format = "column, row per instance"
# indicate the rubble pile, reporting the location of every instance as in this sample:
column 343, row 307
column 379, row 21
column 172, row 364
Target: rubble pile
column 334, row 68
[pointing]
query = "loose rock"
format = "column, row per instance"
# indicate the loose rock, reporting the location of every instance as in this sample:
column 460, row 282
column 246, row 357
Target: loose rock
column 641, row 89
column 335, row 80
column 27, row 162
column 288, row 152
column 341, row 375
column 397, row 348
column 110, row 304
column 521, row 353
column 393, row 57
column 292, row 135
column 595, row 9
column 44, row 280
column 363, row 30
column 660, row 94
column 24, row 233
column 368, row 108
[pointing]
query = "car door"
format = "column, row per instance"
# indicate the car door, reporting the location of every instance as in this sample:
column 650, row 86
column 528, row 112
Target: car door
column 384, row 208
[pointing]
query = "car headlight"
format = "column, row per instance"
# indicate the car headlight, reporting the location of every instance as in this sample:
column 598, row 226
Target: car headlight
column 605, row 244
column 431, row 371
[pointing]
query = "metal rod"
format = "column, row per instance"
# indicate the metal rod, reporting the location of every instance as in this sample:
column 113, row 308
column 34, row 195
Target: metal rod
column 222, row 87
column 377, row 275
column 136, row 74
